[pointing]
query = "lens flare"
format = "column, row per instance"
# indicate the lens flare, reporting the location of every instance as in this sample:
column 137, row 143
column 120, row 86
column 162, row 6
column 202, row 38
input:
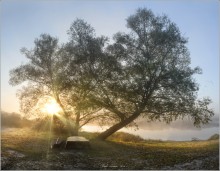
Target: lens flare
column 51, row 107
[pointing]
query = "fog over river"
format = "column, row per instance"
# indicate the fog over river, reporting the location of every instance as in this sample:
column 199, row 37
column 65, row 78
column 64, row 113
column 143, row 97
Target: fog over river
column 180, row 130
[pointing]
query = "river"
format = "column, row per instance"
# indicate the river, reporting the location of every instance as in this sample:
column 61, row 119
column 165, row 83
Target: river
column 164, row 134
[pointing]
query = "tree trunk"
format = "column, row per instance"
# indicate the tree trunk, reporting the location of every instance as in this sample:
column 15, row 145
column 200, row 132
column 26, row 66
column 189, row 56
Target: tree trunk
column 70, row 130
column 74, row 132
column 76, row 127
column 117, row 126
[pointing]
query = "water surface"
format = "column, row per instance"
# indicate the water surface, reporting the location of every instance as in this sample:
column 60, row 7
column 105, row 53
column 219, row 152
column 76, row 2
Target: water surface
column 163, row 134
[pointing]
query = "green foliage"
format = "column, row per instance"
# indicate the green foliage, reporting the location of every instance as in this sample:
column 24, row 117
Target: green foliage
column 14, row 120
column 54, row 125
column 126, row 137
column 145, row 72
column 89, row 135
column 152, row 76
column 214, row 137
column 195, row 139
column 51, row 71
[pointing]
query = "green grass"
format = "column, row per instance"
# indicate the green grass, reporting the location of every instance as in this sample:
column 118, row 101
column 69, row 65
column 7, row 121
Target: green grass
column 112, row 154
column 172, row 153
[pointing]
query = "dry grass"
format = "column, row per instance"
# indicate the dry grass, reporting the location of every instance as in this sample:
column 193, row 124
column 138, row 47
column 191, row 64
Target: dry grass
column 103, row 155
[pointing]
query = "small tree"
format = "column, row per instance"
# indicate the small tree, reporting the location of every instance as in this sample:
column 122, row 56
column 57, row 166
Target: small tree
column 149, row 75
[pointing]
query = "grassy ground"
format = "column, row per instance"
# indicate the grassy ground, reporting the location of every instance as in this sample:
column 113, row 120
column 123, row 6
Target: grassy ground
column 26, row 149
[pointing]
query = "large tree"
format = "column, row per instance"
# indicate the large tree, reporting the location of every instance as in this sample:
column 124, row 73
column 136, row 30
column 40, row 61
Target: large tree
column 144, row 73
column 149, row 75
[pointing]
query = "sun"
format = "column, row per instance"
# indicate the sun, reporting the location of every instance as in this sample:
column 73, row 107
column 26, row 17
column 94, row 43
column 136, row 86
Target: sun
column 51, row 107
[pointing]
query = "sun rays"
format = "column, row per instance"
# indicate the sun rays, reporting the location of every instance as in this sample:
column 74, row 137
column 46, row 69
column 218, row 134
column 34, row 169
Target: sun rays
column 51, row 107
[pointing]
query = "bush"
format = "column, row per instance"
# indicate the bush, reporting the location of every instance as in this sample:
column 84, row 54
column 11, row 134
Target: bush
column 89, row 135
column 214, row 137
column 195, row 139
column 122, row 136
column 45, row 124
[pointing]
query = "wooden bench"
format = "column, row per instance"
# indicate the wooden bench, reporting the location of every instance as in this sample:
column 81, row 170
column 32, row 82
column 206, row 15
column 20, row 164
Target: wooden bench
column 77, row 142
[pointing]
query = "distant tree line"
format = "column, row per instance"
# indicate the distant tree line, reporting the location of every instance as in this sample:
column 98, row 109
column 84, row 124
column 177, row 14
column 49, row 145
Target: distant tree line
column 13, row 120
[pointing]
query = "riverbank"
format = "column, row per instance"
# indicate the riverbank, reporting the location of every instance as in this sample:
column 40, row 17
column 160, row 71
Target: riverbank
column 25, row 149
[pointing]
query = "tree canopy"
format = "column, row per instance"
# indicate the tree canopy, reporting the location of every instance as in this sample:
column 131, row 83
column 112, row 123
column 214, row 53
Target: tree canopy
column 144, row 73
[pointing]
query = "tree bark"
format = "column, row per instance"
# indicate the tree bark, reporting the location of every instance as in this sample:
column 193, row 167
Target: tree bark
column 117, row 126
column 76, row 127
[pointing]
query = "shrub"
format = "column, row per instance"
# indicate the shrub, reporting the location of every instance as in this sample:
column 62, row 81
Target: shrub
column 122, row 136
column 89, row 135
column 45, row 124
column 214, row 137
column 195, row 139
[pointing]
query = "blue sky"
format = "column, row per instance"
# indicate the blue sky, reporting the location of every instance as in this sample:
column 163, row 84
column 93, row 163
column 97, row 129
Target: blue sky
column 23, row 21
